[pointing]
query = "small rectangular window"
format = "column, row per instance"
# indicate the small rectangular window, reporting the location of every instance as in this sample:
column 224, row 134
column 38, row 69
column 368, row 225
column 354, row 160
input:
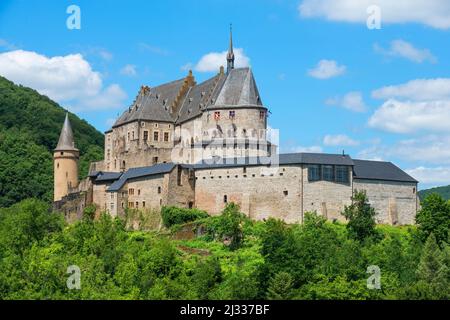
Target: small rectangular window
column 145, row 135
column 143, row 204
column 166, row 137
column 328, row 173
column 217, row 115
column 313, row 173
column 262, row 115
column 155, row 136
column 232, row 115
column 342, row 174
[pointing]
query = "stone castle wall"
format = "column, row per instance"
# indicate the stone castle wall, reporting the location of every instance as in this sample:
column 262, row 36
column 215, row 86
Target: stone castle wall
column 394, row 202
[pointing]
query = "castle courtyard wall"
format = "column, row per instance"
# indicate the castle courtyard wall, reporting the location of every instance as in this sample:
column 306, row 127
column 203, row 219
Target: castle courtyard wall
column 260, row 194
column 395, row 202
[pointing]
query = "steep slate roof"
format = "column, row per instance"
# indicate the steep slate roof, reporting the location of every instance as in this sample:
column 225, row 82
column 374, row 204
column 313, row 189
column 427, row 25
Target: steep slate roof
column 200, row 97
column 152, row 104
column 66, row 141
column 235, row 89
column 239, row 89
column 133, row 173
column 379, row 170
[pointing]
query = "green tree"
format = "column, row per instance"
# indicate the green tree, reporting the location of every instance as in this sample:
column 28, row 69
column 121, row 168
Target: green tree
column 206, row 275
column 280, row 287
column 230, row 225
column 432, row 273
column 360, row 216
column 434, row 217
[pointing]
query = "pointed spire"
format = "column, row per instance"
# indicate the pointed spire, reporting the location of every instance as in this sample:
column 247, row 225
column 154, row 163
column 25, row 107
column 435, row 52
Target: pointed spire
column 66, row 142
column 230, row 54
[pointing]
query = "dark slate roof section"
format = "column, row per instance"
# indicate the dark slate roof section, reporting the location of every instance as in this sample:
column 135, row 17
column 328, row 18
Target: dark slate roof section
column 316, row 158
column 108, row 176
column 379, row 170
column 140, row 172
column 200, row 97
column 153, row 105
column 239, row 89
column 284, row 159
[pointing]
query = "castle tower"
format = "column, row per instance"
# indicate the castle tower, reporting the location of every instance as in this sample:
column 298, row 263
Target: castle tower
column 65, row 158
column 230, row 54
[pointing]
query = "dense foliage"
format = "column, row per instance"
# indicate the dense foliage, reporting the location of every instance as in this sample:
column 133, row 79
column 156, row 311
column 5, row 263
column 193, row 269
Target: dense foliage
column 30, row 125
column 274, row 260
column 173, row 215
column 434, row 217
column 444, row 192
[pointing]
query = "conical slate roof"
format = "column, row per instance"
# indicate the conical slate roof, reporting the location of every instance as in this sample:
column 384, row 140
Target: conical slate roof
column 66, row 142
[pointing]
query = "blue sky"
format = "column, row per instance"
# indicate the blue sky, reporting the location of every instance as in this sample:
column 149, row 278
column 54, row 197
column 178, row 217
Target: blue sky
column 330, row 82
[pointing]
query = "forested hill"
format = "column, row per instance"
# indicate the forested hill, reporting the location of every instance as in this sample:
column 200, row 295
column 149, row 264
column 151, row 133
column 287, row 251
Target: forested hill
column 444, row 192
column 30, row 125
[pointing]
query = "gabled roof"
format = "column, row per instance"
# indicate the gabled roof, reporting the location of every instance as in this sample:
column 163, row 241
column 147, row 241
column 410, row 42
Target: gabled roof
column 380, row 170
column 200, row 96
column 235, row 89
column 66, row 141
column 140, row 172
column 152, row 104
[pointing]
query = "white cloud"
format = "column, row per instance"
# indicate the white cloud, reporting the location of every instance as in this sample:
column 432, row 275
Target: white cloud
column 327, row 69
column 435, row 176
column 65, row 79
column 311, row 149
column 8, row 46
column 129, row 70
column 110, row 98
column 153, row 49
column 212, row 61
column 187, row 67
column 407, row 117
column 352, row 101
column 340, row 140
column 418, row 90
column 424, row 150
column 403, row 49
column 434, row 13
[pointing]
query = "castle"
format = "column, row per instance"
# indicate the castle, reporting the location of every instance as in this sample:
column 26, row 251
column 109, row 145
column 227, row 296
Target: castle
column 205, row 145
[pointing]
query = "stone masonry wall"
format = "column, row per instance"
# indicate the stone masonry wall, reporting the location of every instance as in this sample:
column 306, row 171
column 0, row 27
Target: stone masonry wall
column 276, row 194
column 395, row 202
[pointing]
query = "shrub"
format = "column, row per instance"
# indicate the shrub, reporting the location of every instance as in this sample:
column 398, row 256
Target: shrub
column 173, row 215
